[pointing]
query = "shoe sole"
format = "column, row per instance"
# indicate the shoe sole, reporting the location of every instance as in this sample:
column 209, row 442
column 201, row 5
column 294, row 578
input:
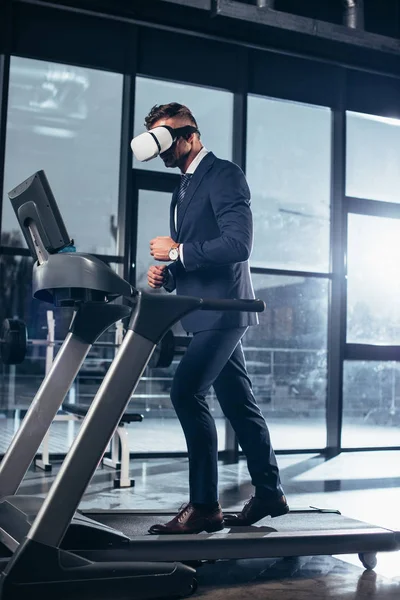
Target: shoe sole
column 216, row 527
column 279, row 513
column 211, row 529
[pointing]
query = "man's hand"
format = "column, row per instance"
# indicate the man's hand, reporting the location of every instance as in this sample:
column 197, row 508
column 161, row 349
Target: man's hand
column 160, row 247
column 156, row 276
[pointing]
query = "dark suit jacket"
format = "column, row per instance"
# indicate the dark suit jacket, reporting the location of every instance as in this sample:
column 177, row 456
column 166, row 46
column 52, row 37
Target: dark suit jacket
column 216, row 229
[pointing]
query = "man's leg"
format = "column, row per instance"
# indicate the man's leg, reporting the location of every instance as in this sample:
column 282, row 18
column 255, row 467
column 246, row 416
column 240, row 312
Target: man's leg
column 235, row 395
column 234, row 392
column 203, row 361
column 205, row 358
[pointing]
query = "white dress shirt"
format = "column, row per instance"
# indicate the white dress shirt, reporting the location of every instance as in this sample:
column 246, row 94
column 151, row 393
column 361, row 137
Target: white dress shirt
column 190, row 170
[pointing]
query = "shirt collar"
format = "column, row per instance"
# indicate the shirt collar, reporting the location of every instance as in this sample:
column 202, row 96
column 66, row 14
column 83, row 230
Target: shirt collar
column 196, row 161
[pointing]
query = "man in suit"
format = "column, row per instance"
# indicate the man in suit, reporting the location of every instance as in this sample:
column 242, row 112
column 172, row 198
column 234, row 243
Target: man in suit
column 208, row 250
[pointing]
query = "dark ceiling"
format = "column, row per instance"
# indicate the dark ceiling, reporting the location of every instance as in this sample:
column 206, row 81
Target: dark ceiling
column 360, row 33
column 380, row 16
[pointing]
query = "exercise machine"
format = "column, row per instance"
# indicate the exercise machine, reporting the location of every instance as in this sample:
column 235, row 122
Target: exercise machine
column 67, row 278
column 55, row 547
column 119, row 458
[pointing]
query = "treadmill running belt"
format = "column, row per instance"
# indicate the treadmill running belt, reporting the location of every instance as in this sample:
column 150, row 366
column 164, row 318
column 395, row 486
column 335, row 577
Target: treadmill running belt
column 300, row 533
column 138, row 524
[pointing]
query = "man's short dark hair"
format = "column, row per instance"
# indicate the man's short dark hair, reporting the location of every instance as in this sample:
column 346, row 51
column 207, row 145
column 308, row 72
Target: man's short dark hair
column 167, row 111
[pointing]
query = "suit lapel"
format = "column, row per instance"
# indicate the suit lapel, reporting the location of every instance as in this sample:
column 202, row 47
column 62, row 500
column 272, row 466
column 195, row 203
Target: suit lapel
column 172, row 214
column 198, row 175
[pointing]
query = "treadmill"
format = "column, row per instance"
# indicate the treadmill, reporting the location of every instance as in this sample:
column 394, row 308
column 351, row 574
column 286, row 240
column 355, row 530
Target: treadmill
column 51, row 545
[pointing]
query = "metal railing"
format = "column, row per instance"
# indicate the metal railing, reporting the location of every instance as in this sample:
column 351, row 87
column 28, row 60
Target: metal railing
column 286, row 381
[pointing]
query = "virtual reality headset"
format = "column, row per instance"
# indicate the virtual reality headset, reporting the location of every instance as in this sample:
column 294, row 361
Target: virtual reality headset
column 154, row 142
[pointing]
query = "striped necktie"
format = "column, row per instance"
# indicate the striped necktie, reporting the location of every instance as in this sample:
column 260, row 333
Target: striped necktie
column 185, row 180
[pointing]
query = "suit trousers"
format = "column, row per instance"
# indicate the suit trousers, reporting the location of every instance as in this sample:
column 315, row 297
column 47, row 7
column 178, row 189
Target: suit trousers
column 215, row 358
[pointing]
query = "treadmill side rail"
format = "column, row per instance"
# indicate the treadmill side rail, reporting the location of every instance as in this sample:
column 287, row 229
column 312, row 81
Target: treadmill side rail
column 227, row 546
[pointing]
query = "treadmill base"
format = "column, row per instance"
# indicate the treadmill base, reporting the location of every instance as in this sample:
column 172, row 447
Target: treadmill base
column 51, row 572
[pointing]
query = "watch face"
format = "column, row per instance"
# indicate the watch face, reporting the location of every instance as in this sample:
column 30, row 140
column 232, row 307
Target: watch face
column 173, row 254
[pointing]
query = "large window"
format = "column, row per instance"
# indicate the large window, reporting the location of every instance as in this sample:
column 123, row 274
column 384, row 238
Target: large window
column 371, row 404
column 373, row 151
column 66, row 120
column 287, row 358
column 371, row 387
column 288, row 169
column 212, row 109
column 373, row 282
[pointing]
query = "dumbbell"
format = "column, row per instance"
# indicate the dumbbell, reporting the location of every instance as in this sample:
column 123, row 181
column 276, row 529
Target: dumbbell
column 13, row 341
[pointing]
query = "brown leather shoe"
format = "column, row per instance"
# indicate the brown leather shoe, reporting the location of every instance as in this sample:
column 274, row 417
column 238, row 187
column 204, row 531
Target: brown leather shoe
column 191, row 520
column 256, row 509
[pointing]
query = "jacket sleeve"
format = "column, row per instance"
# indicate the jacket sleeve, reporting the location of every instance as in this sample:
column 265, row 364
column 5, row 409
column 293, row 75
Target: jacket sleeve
column 170, row 282
column 230, row 200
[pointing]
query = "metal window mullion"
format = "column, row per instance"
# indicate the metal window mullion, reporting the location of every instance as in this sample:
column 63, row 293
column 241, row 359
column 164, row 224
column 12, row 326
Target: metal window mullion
column 372, row 208
column 290, row 272
column 337, row 299
column 125, row 224
column 240, row 101
column 239, row 135
column 125, row 183
column 4, row 85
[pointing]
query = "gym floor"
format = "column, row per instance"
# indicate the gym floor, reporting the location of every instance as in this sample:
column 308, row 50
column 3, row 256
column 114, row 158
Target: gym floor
column 362, row 485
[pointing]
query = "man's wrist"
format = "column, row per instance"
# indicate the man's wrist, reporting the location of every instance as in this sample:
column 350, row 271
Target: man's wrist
column 174, row 252
column 180, row 250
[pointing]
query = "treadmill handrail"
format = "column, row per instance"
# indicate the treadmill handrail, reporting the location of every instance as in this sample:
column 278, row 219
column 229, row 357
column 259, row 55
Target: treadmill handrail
column 155, row 314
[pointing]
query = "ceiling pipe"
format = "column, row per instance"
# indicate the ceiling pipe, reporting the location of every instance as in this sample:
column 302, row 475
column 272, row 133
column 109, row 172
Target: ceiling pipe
column 353, row 15
column 265, row 3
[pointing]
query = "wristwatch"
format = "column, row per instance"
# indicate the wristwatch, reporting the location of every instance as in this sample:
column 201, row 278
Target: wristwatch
column 174, row 253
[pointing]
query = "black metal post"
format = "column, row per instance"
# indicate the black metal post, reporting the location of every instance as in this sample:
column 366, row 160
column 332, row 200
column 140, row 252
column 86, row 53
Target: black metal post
column 337, row 304
column 5, row 30
column 126, row 228
column 239, row 157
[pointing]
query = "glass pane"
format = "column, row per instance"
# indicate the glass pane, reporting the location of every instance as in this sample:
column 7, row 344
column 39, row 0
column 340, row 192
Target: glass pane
column 373, row 157
column 371, row 404
column 287, row 359
column 152, row 396
column 19, row 383
column 153, row 220
column 66, row 120
column 288, row 170
column 373, row 282
column 161, row 431
column 212, row 109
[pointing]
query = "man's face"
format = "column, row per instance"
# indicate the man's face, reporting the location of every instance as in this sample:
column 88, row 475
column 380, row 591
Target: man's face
column 177, row 154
